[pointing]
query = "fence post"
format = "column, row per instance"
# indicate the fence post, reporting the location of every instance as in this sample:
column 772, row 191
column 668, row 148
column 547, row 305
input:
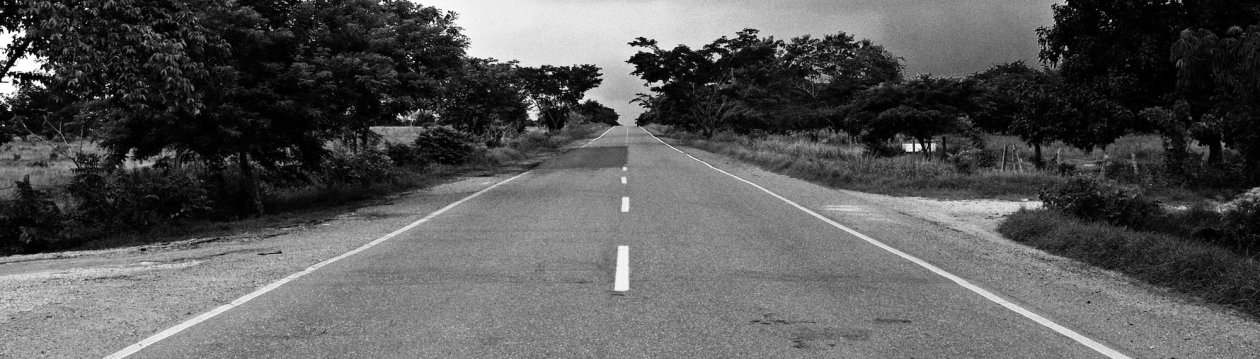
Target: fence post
column 943, row 147
column 1020, row 160
column 1003, row 158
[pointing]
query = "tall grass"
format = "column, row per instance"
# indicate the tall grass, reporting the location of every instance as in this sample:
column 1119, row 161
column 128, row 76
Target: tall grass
column 1206, row 271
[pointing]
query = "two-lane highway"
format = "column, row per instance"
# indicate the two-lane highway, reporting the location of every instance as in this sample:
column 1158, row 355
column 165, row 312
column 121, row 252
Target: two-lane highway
column 624, row 248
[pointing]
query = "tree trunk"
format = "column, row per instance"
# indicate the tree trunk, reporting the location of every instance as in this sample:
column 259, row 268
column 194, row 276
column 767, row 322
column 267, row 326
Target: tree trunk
column 927, row 152
column 1037, row 161
column 1215, row 150
column 250, row 197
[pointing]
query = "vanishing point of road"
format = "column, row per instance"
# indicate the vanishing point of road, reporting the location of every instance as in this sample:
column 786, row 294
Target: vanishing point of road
column 628, row 247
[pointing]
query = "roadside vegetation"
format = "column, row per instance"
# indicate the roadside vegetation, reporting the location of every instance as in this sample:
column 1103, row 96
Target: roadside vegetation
column 146, row 117
column 1139, row 132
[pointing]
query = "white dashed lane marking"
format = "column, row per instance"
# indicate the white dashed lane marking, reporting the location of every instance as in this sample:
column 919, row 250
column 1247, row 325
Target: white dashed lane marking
column 621, row 281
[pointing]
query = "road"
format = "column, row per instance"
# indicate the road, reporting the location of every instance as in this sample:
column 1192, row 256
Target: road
column 716, row 267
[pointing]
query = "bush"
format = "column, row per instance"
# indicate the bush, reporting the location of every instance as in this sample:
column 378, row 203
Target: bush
column 969, row 160
column 1240, row 221
column 364, row 168
column 1099, row 200
column 135, row 199
column 444, row 145
column 404, row 154
column 29, row 223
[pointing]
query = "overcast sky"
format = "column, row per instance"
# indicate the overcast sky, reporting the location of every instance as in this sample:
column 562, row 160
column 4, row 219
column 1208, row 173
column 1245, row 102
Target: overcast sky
column 944, row 37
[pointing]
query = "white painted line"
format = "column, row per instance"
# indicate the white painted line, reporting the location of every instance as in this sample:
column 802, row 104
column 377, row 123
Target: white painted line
column 621, row 280
column 625, row 204
column 623, row 180
column 125, row 352
column 1083, row 340
column 623, row 169
column 600, row 136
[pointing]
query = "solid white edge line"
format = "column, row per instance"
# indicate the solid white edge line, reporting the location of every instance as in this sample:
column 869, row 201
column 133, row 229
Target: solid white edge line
column 1083, row 340
column 621, row 281
column 588, row 143
column 242, row 300
column 625, row 204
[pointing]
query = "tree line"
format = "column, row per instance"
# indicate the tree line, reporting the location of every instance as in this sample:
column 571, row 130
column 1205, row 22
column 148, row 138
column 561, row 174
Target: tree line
column 1182, row 69
column 265, row 82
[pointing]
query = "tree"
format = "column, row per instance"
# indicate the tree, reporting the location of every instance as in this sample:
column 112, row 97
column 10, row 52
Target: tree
column 262, row 81
column 1224, row 67
column 1119, row 49
column 998, row 87
column 750, row 82
column 486, row 99
column 597, row 113
column 555, row 90
column 921, row 109
column 1042, row 113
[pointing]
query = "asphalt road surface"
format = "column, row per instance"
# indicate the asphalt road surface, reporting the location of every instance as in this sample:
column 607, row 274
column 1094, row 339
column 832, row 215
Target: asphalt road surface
column 710, row 266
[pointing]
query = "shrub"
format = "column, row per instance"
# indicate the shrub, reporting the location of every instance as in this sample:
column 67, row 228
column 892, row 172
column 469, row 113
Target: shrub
column 363, row 168
column 1240, row 221
column 444, row 144
column 30, row 222
column 969, row 160
column 403, row 154
column 135, row 199
column 1099, row 200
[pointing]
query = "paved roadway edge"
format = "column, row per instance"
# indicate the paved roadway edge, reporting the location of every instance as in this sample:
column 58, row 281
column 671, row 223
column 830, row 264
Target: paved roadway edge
column 134, row 348
column 1083, row 340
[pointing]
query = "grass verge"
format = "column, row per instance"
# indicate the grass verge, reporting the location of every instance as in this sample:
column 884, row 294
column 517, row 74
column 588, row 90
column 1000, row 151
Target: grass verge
column 1205, row 271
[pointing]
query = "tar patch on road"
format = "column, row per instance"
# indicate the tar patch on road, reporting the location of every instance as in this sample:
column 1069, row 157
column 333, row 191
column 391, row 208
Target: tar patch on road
column 588, row 158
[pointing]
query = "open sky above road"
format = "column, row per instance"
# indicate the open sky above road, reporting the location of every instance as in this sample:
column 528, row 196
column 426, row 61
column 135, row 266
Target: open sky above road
column 943, row 37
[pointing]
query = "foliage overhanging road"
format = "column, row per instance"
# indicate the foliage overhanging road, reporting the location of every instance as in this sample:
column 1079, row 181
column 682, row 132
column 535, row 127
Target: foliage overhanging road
column 718, row 268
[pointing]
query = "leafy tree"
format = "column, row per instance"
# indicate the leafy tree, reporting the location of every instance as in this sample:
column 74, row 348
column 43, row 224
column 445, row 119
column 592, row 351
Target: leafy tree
column 598, row 113
column 556, row 90
column 752, row 82
column 1042, row 112
column 1225, row 66
column 921, row 109
column 229, row 80
column 998, row 87
column 485, row 99
column 1119, row 49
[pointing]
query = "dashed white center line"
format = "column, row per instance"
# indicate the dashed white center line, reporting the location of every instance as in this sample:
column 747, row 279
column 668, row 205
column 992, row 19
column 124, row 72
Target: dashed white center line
column 623, row 169
column 623, row 180
column 621, row 281
column 625, row 204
